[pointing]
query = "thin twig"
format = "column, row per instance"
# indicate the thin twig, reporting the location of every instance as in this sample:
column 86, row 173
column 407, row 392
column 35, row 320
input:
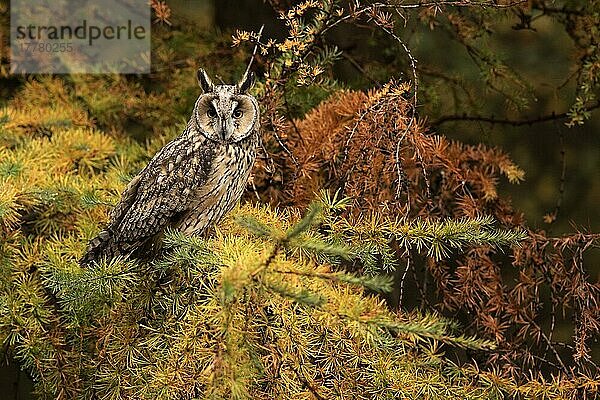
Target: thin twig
column 505, row 121
column 563, row 172
column 401, row 295
column 360, row 69
column 359, row 11
column 258, row 36
column 413, row 66
column 546, row 340
column 290, row 117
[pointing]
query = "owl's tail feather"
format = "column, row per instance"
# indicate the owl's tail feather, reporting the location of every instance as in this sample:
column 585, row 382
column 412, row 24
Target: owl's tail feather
column 101, row 247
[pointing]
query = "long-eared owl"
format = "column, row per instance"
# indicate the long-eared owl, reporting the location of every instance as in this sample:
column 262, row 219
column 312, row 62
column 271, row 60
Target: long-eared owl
column 194, row 179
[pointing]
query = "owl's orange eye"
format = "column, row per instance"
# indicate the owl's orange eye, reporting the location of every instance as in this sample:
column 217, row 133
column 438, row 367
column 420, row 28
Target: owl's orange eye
column 238, row 113
column 211, row 113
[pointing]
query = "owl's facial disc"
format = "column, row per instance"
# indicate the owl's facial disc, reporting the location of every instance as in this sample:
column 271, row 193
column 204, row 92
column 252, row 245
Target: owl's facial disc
column 226, row 115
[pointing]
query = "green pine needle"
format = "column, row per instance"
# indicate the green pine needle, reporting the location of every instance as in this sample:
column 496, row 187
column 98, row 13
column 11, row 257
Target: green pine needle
column 311, row 218
column 258, row 228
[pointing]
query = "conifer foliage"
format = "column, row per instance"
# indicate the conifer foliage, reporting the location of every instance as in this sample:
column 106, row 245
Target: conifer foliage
column 300, row 291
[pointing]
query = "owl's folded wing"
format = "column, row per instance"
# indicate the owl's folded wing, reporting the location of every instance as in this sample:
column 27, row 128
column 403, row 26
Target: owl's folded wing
column 153, row 198
column 162, row 191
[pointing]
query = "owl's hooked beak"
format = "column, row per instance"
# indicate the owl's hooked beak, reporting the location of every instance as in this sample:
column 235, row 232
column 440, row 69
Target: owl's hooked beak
column 226, row 128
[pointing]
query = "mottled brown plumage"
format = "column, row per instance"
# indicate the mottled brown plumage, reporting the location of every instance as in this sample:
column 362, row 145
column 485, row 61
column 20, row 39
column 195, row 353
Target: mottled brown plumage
column 192, row 181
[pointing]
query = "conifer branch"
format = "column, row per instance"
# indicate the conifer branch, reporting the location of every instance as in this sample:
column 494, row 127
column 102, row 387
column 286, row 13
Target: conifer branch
column 507, row 121
column 426, row 328
column 378, row 283
column 301, row 296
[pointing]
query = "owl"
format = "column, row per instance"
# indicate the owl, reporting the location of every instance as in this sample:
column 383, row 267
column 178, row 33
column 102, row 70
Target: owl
column 193, row 180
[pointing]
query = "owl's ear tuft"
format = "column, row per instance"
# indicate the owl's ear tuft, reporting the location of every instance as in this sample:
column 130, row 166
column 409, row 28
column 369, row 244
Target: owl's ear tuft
column 204, row 81
column 246, row 83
